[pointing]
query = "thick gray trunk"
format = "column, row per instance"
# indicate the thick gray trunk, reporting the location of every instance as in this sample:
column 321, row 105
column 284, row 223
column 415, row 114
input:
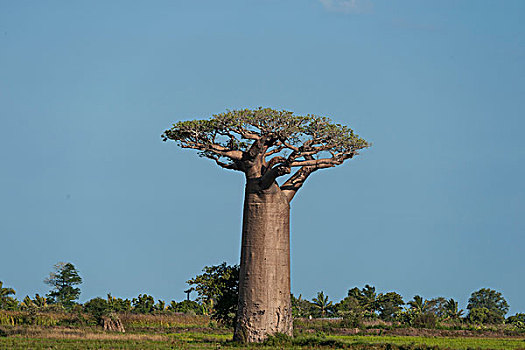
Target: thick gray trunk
column 264, row 282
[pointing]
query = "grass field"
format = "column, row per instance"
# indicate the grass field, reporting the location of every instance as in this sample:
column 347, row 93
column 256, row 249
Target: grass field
column 192, row 341
column 198, row 332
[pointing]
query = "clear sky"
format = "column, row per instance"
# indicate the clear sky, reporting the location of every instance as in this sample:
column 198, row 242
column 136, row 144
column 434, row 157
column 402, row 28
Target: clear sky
column 436, row 207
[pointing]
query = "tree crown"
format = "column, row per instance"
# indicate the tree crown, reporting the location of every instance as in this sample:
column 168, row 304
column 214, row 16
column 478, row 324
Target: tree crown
column 62, row 280
column 490, row 299
column 266, row 143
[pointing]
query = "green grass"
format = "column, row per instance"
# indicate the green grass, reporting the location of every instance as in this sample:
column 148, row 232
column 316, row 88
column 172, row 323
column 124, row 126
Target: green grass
column 460, row 343
column 220, row 341
column 166, row 331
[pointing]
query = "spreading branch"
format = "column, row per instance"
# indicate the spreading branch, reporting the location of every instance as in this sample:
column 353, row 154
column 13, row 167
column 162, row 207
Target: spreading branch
column 266, row 144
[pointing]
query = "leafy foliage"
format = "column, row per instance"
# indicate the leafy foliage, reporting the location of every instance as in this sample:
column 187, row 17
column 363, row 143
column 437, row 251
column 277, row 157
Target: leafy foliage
column 489, row 299
column 98, row 308
column 367, row 299
column 218, row 287
column 322, row 303
column 187, row 306
column 236, row 130
column 266, row 144
column 143, row 304
column 160, row 305
column 63, row 280
column 6, row 301
column 367, row 303
column 518, row 320
column 118, row 304
column 350, row 304
column 452, row 310
column 389, row 305
column 481, row 315
column 302, row 307
column 38, row 302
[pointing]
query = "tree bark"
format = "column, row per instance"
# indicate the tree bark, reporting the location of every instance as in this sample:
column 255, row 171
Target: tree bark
column 264, row 281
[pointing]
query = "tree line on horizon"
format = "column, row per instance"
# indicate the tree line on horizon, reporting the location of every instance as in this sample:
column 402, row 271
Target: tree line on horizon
column 217, row 289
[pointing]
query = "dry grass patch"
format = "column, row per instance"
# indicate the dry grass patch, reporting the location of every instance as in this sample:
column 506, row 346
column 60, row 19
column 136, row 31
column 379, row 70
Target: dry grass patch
column 77, row 333
column 163, row 320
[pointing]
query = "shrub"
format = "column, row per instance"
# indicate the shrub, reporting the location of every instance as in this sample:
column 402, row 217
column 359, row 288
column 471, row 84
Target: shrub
column 97, row 308
column 143, row 304
column 425, row 320
column 482, row 315
column 189, row 307
column 517, row 320
column 353, row 320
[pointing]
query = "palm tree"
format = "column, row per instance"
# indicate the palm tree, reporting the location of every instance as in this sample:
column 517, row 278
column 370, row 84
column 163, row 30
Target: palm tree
column 5, row 298
column 5, row 292
column 322, row 303
column 40, row 301
column 27, row 303
column 451, row 309
column 418, row 304
column 366, row 297
column 297, row 307
column 37, row 303
column 369, row 299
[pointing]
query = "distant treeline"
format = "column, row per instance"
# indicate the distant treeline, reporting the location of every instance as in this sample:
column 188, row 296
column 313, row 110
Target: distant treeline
column 217, row 294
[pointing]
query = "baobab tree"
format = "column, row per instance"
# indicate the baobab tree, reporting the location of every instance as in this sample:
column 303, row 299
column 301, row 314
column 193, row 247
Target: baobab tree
column 266, row 144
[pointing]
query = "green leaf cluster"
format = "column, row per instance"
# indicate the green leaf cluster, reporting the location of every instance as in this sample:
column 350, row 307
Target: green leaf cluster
column 235, row 130
column 7, row 302
column 143, row 304
column 63, row 280
column 218, row 288
column 489, row 299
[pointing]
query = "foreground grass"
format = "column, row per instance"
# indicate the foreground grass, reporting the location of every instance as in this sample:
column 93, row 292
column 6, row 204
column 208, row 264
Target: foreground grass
column 196, row 340
column 171, row 331
column 460, row 343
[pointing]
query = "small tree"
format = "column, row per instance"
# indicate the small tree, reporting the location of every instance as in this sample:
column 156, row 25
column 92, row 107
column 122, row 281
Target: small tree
column 119, row 304
column 367, row 299
column 33, row 304
column 301, row 307
column 63, row 279
column 452, row 310
column 160, row 305
column 105, row 315
column 98, row 308
column 389, row 305
column 418, row 305
column 322, row 303
column 190, row 307
column 517, row 320
column 218, row 287
column 143, row 304
column 437, row 306
column 490, row 299
column 480, row 315
column 349, row 306
column 6, row 301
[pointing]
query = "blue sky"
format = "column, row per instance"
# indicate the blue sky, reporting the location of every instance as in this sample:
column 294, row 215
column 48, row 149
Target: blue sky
column 434, row 208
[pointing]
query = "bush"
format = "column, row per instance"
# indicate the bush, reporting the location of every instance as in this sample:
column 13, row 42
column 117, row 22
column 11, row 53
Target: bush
column 219, row 286
column 143, row 304
column 188, row 307
column 517, row 320
column 353, row 320
column 97, row 308
column 425, row 320
column 482, row 315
